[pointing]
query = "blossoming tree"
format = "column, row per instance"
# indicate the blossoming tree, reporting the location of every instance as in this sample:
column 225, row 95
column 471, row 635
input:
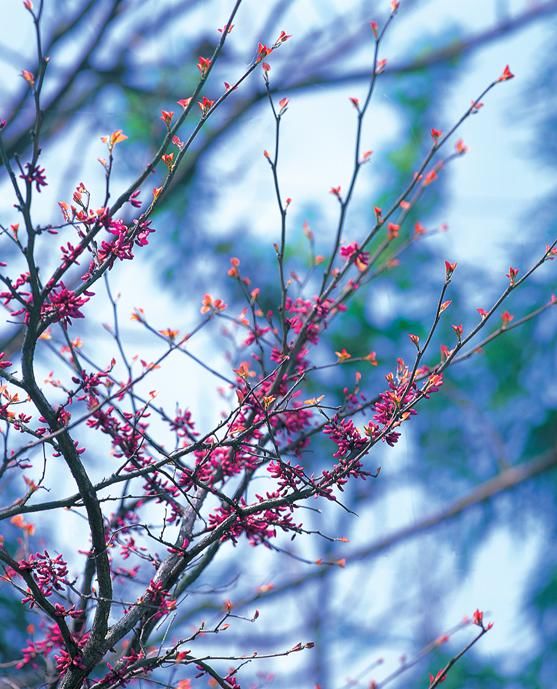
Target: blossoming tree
column 172, row 493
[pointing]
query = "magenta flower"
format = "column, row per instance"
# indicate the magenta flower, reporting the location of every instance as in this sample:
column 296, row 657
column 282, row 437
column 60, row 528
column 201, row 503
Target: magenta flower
column 35, row 175
column 64, row 304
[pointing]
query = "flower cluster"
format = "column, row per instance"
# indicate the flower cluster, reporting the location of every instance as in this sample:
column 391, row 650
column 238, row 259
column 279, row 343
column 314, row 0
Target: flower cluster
column 353, row 252
column 159, row 599
column 299, row 310
column 394, row 405
column 53, row 641
column 49, row 573
column 124, row 239
column 63, row 304
column 259, row 526
column 35, row 175
column 345, row 435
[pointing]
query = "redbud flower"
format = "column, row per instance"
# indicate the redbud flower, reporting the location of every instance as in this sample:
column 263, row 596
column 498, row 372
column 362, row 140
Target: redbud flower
column 5, row 363
column 35, row 175
column 205, row 104
column 439, row 677
column 513, row 272
column 372, row 358
column 380, row 67
column 506, row 318
column 115, row 138
column 178, row 142
column 343, row 355
column 429, row 178
column 415, row 340
column 233, row 271
column 449, row 269
column 262, row 51
column 169, row 332
column 458, row 330
column 283, row 104
column 28, row 76
column 168, row 159
column 209, row 304
column 166, row 116
column 203, row 65
column 361, row 258
column 393, row 229
column 283, row 36
column 445, row 305
column 506, row 75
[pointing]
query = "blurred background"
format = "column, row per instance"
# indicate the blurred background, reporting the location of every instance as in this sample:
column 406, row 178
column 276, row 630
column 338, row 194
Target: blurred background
column 464, row 513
